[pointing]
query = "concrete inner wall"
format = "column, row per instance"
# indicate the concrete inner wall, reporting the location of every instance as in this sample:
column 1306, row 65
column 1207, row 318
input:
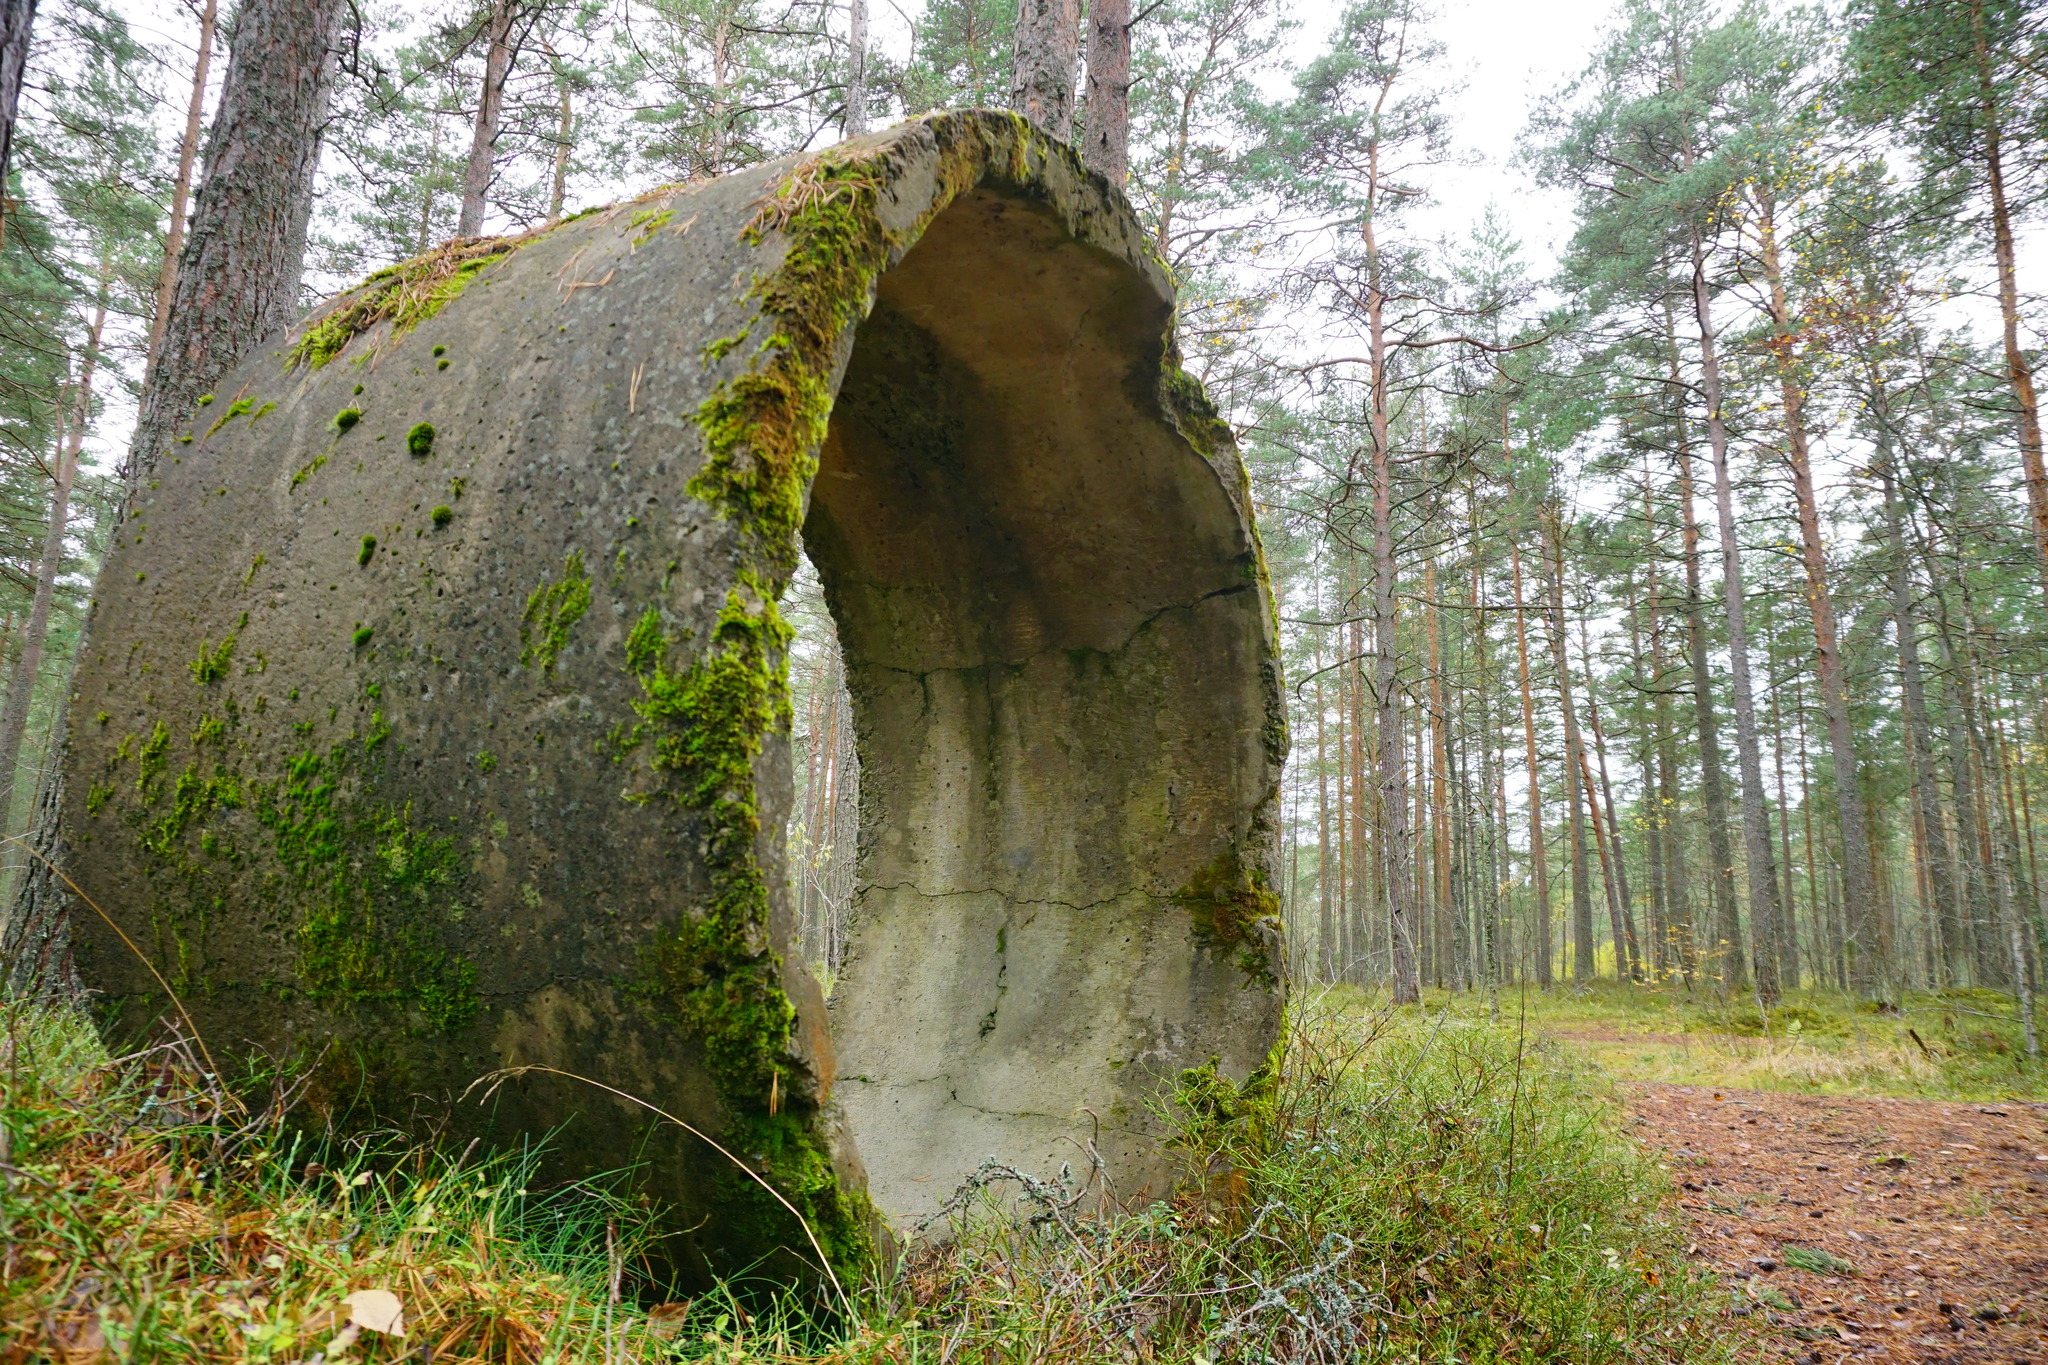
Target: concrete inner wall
column 1051, row 621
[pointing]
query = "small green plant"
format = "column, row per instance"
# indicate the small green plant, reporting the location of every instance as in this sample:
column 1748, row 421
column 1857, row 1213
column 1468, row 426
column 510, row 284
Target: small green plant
column 442, row 515
column 347, row 418
column 441, row 364
column 368, row 549
column 440, row 350
column 204, row 399
column 420, row 440
column 486, row 761
column 363, row 634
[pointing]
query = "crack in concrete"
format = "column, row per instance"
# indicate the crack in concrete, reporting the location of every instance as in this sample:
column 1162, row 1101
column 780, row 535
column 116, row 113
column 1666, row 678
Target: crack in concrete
column 1111, row 652
column 1007, row 898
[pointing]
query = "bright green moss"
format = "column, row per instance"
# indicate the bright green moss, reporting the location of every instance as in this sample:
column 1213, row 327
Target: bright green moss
column 366, row 550
column 442, row 515
column 152, row 758
column 309, row 471
column 406, row 295
column 347, row 418
column 239, row 408
column 212, row 665
column 552, row 610
column 97, row 796
column 420, row 440
column 649, row 222
column 379, row 889
column 363, row 634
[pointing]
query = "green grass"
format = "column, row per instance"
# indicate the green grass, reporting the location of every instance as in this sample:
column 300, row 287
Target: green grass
column 1409, row 1188
column 1962, row 1044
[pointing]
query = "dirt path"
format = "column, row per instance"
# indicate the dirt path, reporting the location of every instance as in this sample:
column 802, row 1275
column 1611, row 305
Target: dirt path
column 1940, row 1211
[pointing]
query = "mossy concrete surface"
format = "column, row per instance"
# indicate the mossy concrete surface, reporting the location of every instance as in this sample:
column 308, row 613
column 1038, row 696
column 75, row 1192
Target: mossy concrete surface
column 427, row 758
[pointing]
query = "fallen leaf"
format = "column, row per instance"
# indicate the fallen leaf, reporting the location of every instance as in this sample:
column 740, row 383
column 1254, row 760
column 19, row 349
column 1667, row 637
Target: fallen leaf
column 665, row 1320
column 376, row 1310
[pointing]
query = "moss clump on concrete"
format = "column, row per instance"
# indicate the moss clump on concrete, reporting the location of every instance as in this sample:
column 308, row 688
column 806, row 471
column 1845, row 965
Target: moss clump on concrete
column 379, row 888
column 367, row 550
column 406, row 295
column 715, row 969
column 1231, row 906
column 347, row 418
column 420, row 440
column 239, row 408
column 552, row 609
column 213, row 661
column 442, row 515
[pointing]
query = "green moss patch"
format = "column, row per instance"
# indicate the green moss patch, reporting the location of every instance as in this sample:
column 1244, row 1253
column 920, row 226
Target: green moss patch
column 552, row 610
column 406, row 295
column 420, row 440
column 1231, row 906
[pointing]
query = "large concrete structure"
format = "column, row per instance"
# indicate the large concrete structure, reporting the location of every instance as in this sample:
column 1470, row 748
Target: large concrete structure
column 434, row 713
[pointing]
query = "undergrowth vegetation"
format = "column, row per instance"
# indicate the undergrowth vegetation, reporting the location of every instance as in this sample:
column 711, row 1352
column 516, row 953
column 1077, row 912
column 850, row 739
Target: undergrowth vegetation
column 1961, row 1044
column 1408, row 1188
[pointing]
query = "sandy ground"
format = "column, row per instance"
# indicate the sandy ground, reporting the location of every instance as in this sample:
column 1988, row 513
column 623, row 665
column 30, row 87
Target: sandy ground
column 1939, row 1210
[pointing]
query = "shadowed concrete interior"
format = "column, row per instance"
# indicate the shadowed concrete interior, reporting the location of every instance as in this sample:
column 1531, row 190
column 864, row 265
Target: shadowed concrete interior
column 1052, row 630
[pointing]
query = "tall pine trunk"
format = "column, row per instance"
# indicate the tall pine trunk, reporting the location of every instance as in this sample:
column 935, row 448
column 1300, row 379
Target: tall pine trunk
column 1539, row 853
column 238, row 279
column 181, row 188
column 1868, row 971
column 1756, row 830
column 1106, row 113
column 1706, row 719
column 483, row 143
column 1048, row 44
column 17, row 26
column 1577, row 790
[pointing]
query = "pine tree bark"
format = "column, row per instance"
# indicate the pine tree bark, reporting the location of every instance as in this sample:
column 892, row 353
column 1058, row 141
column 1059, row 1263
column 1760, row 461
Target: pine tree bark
column 483, row 144
column 181, row 188
column 17, row 27
column 1756, row 831
column 1048, row 45
column 1539, row 854
column 1706, row 719
column 1391, row 765
column 1106, row 112
column 1868, row 972
column 856, row 121
column 238, row 279
column 2019, row 371
column 1577, row 790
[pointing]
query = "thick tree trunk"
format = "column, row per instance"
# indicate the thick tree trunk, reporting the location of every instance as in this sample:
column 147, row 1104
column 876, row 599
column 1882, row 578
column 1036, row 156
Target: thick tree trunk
column 17, row 25
column 238, row 279
column 856, row 121
column 1106, row 114
column 483, row 144
column 181, row 188
column 1042, row 80
column 1756, row 830
column 1868, row 971
column 1539, row 854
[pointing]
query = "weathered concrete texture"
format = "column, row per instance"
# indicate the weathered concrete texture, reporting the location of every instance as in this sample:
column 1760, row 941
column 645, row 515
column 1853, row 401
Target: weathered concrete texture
column 453, row 750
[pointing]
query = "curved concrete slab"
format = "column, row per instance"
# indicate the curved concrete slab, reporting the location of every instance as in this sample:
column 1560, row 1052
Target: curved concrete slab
column 434, row 719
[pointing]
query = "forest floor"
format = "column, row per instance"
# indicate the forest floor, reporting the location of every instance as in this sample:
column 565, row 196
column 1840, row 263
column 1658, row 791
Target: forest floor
column 1867, row 1186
